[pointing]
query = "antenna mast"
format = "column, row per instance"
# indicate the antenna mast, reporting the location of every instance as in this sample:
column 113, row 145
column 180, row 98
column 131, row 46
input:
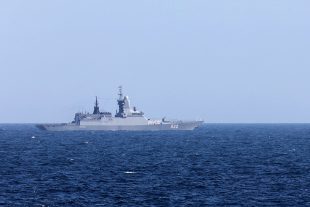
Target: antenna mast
column 120, row 93
column 120, row 103
column 96, row 107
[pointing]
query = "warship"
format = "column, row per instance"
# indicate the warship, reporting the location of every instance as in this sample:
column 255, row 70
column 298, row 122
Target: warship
column 127, row 118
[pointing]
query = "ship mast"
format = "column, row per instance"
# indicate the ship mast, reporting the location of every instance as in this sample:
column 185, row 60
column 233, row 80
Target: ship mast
column 120, row 93
column 120, row 103
column 96, row 107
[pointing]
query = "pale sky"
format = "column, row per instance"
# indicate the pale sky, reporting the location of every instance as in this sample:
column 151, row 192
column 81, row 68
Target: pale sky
column 221, row 60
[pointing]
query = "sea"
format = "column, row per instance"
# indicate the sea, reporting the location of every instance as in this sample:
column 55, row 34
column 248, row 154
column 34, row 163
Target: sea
column 214, row 165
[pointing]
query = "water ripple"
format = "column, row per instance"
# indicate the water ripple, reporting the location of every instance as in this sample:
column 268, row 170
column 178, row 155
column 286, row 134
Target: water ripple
column 217, row 165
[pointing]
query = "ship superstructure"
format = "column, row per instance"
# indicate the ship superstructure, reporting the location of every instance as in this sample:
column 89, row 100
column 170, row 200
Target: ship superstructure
column 126, row 118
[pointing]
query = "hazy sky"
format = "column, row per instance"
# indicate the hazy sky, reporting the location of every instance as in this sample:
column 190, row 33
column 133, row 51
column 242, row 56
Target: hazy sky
column 220, row 60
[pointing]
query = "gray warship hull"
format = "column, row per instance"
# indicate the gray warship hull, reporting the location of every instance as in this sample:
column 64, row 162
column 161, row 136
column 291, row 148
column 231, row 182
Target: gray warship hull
column 127, row 118
column 158, row 127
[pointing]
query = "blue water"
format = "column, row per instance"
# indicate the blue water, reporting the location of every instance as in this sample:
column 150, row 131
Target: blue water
column 216, row 165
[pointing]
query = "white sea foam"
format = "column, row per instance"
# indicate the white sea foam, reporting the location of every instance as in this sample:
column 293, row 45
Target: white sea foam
column 33, row 137
column 130, row 172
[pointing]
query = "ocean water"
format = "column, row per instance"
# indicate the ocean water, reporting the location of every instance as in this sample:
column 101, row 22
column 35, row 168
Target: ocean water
column 216, row 165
